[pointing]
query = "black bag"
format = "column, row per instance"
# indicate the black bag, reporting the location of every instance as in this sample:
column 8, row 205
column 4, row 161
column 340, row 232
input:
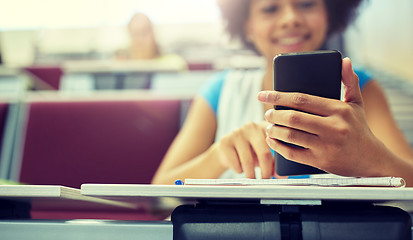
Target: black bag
column 262, row 222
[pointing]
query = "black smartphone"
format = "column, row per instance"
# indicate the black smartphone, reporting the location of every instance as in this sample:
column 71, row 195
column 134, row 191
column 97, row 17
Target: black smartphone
column 316, row 73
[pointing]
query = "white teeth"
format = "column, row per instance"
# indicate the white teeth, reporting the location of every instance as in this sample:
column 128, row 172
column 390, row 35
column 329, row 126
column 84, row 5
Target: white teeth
column 290, row 41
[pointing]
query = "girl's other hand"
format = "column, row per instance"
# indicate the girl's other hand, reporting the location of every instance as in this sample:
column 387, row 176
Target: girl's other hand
column 245, row 148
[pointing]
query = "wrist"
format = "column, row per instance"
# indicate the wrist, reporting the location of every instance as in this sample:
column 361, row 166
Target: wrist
column 381, row 163
column 389, row 164
column 215, row 160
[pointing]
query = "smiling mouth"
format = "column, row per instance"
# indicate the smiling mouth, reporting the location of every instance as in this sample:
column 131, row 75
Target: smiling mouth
column 291, row 40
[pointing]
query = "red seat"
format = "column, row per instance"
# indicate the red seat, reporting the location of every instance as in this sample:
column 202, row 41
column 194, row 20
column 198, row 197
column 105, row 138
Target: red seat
column 194, row 66
column 50, row 75
column 74, row 142
column 99, row 141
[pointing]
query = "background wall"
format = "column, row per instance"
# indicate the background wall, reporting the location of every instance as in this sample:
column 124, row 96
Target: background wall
column 382, row 37
column 23, row 47
column 96, row 28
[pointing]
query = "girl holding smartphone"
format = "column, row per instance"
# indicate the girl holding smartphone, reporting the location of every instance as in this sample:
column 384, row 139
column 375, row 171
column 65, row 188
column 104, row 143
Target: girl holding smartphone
column 228, row 133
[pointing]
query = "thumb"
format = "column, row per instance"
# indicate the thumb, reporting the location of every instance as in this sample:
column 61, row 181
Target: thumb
column 351, row 88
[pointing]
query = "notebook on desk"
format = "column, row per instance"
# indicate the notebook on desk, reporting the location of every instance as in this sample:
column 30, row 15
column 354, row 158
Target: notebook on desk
column 334, row 182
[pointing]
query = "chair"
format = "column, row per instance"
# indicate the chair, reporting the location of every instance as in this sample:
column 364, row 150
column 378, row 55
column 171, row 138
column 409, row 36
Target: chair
column 49, row 76
column 71, row 142
column 74, row 142
column 196, row 66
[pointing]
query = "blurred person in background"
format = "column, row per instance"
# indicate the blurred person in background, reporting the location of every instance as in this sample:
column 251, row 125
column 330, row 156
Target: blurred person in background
column 226, row 136
column 144, row 46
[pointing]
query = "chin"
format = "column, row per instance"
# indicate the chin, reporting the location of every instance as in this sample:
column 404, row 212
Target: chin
column 291, row 49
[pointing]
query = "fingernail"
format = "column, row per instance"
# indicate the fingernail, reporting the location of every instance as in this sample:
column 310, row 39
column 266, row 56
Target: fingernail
column 268, row 113
column 349, row 60
column 268, row 140
column 262, row 96
column 269, row 127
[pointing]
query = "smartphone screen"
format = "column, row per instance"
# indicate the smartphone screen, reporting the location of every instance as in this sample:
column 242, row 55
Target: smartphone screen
column 316, row 73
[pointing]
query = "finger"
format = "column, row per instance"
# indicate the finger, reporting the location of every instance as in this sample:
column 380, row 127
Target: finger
column 278, row 176
column 294, row 119
column 293, row 136
column 300, row 101
column 351, row 85
column 232, row 159
column 275, row 174
column 300, row 155
column 263, row 153
column 245, row 157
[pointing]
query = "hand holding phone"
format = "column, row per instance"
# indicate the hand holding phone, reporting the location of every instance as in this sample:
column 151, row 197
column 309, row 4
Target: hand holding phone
column 315, row 73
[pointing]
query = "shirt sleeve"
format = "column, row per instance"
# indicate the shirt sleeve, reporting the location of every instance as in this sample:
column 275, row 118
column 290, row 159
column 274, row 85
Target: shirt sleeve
column 211, row 91
column 364, row 77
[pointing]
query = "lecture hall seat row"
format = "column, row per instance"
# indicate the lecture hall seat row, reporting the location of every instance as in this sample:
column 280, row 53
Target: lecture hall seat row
column 121, row 76
column 102, row 138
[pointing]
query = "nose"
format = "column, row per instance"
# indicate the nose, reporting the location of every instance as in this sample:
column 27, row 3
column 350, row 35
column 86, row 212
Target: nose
column 290, row 17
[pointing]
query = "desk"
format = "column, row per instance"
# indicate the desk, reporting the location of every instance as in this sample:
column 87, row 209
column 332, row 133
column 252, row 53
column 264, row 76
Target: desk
column 292, row 195
column 137, row 192
column 52, row 197
column 13, row 82
column 123, row 66
column 134, row 195
column 113, row 74
column 351, row 200
column 58, row 202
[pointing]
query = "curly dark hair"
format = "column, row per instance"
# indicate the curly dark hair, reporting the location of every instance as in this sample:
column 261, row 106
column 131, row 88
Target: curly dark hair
column 235, row 13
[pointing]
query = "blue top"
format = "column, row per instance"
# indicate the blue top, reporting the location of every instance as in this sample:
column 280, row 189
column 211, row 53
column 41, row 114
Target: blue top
column 212, row 89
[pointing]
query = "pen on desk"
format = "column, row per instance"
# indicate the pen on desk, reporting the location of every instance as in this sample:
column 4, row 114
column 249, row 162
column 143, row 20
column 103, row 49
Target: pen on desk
column 179, row 182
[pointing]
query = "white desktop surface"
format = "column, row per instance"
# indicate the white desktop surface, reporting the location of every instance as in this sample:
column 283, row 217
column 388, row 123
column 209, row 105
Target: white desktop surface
column 171, row 196
column 120, row 66
column 197, row 192
column 57, row 197
column 135, row 193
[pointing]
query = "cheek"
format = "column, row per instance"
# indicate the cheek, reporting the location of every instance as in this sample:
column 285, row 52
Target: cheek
column 318, row 24
column 262, row 32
